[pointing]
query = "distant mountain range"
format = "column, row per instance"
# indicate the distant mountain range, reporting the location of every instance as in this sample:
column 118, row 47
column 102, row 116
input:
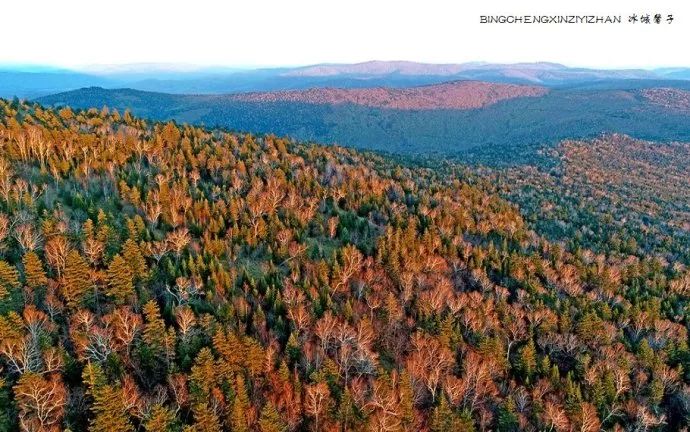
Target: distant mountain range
column 33, row 81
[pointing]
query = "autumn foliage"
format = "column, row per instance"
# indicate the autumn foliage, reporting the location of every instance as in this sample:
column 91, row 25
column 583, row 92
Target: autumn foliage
column 160, row 277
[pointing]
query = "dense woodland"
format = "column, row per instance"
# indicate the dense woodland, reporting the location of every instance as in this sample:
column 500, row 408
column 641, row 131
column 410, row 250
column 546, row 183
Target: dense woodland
column 158, row 277
column 502, row 133
column 614, row 194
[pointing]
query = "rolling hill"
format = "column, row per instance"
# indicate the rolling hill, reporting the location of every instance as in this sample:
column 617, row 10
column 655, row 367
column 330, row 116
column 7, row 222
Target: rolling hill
column 453, row 95
column 493, row 126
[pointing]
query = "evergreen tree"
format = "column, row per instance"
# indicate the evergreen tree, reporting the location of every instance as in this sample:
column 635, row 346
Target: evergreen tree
column 406, row 399
column 270, row 420
column 76, row 279
column 445, row 419
column 120, row 286
column 527, row 361
column 205, row 420
column 160, row 419
column 154, row 329
column 109, row 414
column 507, row 416
column 240, row 405
column 133, row 256
column 9, row 278
column 34, row 275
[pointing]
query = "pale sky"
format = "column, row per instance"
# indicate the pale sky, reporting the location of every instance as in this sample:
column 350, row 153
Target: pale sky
column 78, row 33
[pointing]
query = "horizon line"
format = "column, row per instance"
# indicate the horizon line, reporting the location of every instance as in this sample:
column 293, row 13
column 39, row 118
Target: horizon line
column 198, row 67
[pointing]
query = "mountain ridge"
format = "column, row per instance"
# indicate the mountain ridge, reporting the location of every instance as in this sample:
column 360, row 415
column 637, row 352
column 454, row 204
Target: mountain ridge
column 184, row 79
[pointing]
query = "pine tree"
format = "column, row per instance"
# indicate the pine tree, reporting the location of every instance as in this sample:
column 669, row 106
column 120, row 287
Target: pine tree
column 347, row 411
column 203, row 376
column 154, row 329
column 205, row 420
column 9, row 278
column 507, row 416
column 34, row 275
column 76, row 279
column 109, row 414
column 527, row 361
column 444, row 419
column 270, row 420
column 440, row 420
column 160, row 419
column 133, row 256
column 240, row 405
column 406, row 398
column 120, row 285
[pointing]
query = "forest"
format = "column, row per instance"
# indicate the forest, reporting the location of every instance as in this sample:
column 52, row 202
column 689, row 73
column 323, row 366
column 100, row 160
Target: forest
column 502, row 133
column 613, row 194
column 157, row 276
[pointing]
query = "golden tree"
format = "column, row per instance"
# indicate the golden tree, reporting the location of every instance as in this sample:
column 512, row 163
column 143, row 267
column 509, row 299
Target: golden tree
column 34, row 275
column 120, row 286
column 77, row 279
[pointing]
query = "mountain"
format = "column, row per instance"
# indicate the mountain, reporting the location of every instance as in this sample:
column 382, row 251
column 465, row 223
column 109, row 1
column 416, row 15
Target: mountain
column 466, row 120
column 379, row 68
column 540, row 73
column 674, row 73
column 34, row 81
column 38, row 83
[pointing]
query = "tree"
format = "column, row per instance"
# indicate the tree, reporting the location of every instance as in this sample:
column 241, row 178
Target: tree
column 9, row 278
column 34, row 275
column 160, row 419
column 527, row 360
column 555, row 417
column 240, row 406
column 158, row 350
column 351, row 260
column 586, row 418
column 108, row 405
column 429, row 362
column 56, row 251
column 444, row 419
column 178, row 240
column 317, row 402
column 154, row 328
column 507, row 416
column 120, row 286
column 205, row 420
column 77, row 280
column 270, row 420
column 125, row 326
column 185, row 321
column 406, row 399
column 132, row 255
column 41, row 402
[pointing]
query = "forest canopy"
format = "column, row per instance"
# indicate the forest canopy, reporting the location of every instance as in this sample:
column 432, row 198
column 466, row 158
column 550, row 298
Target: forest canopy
column 164, row 277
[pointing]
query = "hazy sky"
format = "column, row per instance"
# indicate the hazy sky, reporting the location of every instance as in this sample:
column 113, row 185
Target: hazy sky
column 76, row 33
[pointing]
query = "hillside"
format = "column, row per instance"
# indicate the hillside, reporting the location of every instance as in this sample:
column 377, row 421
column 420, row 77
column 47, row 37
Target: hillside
column 674, row 99
column 453, row 95
column 160, row 277
column 613, row 194
column 504, row 132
